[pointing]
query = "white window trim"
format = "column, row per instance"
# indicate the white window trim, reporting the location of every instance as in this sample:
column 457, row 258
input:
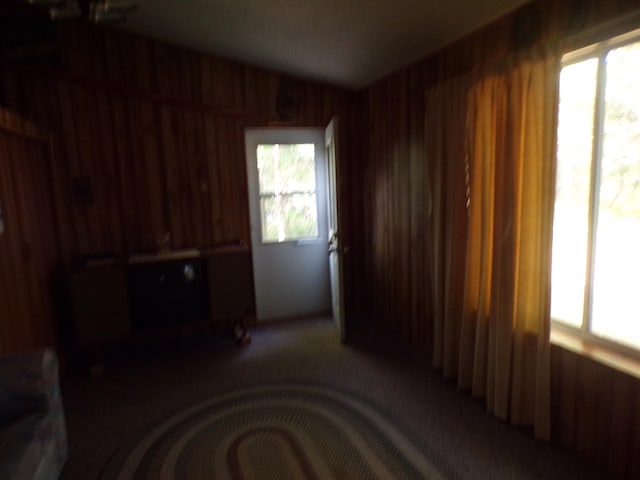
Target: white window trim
column 581, row 339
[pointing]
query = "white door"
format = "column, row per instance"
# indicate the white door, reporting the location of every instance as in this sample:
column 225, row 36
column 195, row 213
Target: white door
column 286, row 173
column 335, row 249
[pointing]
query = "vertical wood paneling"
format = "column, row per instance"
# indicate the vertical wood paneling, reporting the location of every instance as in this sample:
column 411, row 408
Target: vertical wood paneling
column 153, row 199
column 396, row 120
column 159, row 130
column 564, row 389
column 14, row 301
column 28, row 245
column 214, row 219
column 34, row 256
column 170, row 175
column 123, row 157
column 633, row 469
column 105, row 143
column 223, row 164
column 595, row 410
column 624, row 402
column 160, row 133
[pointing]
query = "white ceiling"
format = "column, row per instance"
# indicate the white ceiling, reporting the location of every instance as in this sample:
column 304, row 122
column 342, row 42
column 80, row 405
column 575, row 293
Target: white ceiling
column 350, row 43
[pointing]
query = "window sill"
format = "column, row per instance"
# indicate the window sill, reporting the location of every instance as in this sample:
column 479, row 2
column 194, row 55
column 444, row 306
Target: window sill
column 600, row 353
column 299, row 242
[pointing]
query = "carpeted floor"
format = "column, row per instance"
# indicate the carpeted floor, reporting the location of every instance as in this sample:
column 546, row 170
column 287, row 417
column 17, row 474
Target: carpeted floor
column 140, row 390
column 283, row 432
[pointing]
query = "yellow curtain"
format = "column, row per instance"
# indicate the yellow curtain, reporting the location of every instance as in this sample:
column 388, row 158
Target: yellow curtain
column 497, row 341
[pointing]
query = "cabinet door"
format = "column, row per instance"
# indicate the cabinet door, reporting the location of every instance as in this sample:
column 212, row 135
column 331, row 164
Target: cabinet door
column 167, row 293
column 101, row 311
column 231, row 286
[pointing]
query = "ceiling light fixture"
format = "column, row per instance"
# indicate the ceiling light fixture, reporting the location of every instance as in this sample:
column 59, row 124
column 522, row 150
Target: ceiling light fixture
column 99, row 11
column 126, row 6
column 44, row 3
column 65, row 11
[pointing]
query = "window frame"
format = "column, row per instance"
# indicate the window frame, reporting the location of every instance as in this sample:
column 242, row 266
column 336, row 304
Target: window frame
column 598, row 51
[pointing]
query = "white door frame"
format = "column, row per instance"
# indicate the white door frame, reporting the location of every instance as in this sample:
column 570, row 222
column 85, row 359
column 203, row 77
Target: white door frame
column 291, row 278
column 335, row 241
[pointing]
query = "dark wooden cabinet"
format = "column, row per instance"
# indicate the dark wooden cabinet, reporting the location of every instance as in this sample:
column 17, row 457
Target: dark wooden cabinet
column 118, row 301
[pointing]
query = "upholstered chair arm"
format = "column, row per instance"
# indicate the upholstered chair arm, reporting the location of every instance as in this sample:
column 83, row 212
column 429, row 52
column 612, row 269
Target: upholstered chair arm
column 31, row 374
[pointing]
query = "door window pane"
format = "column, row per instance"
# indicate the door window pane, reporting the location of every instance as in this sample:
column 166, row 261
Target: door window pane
column 287, row 217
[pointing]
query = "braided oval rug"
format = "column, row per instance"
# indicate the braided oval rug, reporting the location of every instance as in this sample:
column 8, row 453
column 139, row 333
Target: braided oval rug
column 274, row 432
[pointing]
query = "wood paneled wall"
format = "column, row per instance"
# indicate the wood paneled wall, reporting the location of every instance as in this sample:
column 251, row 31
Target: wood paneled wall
column 596, row 412
column 396, row 207
column 28, row 240
column 159, row 132
column 595, row 408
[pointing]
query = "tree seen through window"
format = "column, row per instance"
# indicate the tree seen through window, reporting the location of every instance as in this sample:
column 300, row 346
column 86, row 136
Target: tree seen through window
column 287, row 187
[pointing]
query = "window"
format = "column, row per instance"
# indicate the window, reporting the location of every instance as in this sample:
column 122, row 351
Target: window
column 596, row 231
column 287, row 183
